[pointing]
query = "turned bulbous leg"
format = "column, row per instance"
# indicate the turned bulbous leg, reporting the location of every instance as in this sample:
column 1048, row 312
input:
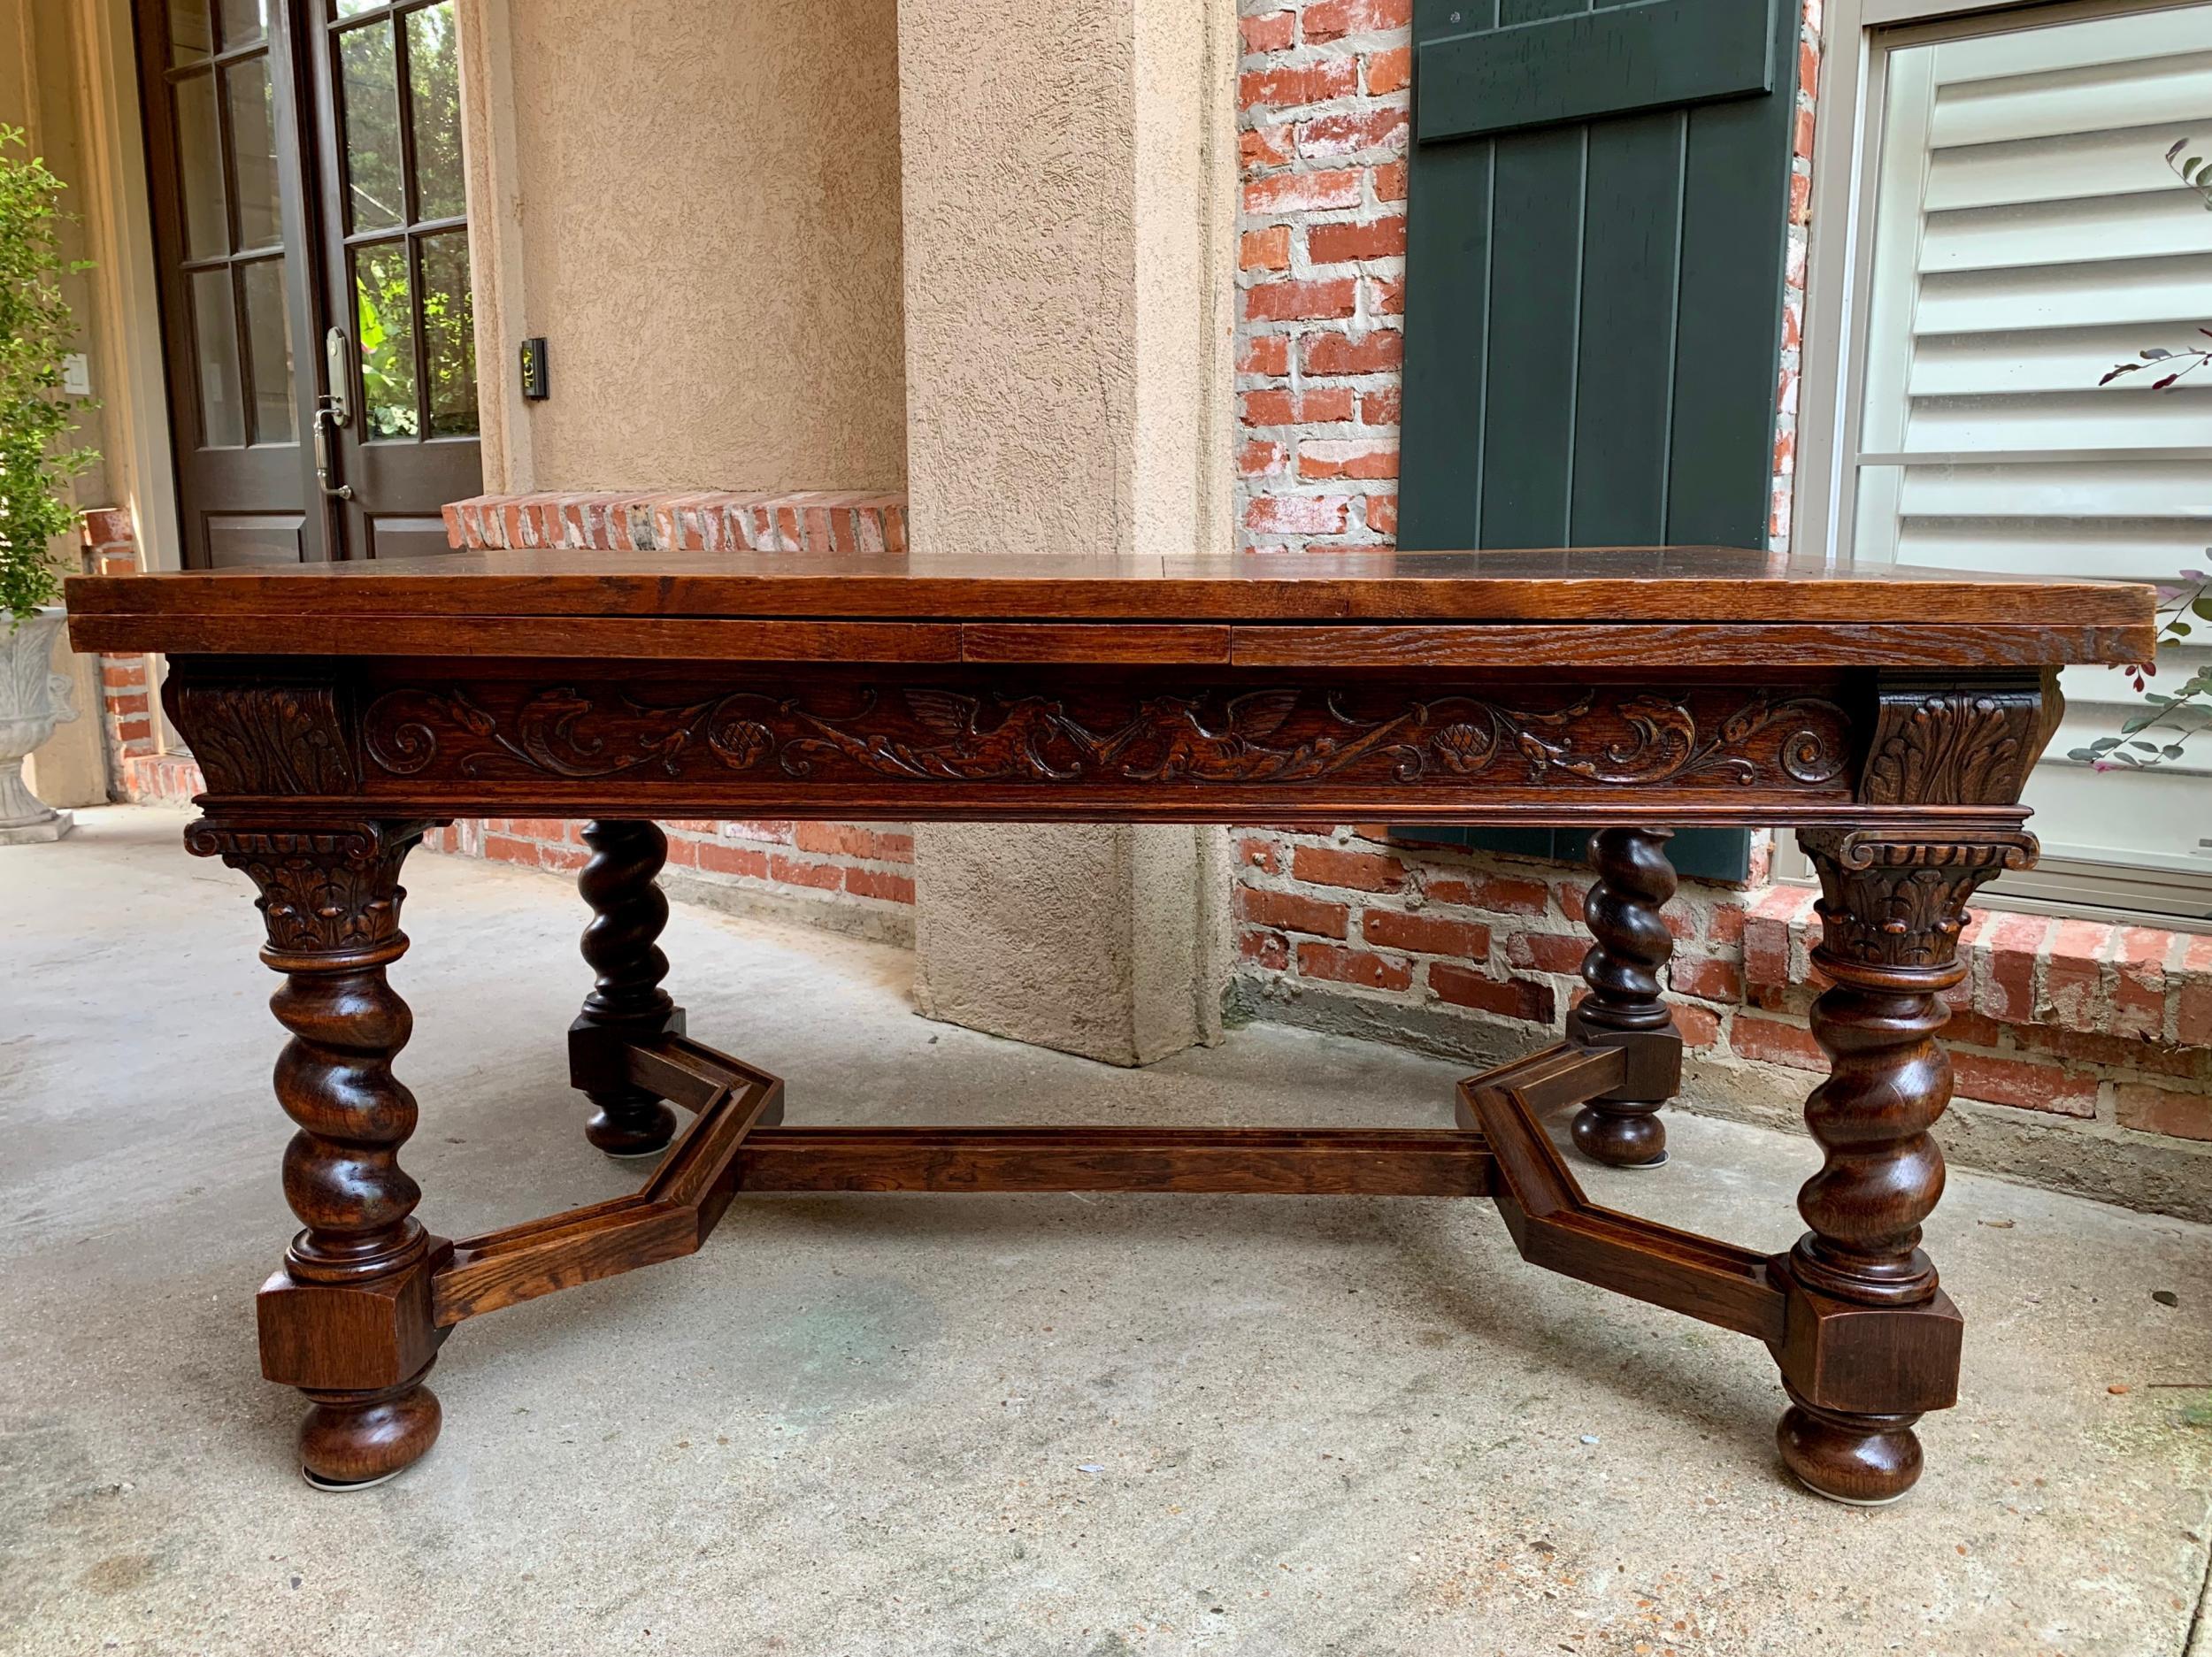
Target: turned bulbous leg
column 1624, row 1007
column 356, row 1438
column 1863, row 1460
column 1874, row 1344
column 629, row 912
column 347, row 1317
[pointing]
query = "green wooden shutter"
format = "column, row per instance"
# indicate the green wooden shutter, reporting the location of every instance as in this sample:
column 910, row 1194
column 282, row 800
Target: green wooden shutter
column 1722, row 855
column 1598, row 219
column 1597, row 223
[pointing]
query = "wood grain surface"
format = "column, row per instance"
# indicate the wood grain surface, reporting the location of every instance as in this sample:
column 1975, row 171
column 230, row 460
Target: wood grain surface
column 490, row 596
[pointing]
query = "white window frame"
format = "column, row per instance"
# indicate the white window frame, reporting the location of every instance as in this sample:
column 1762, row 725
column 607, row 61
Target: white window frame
column 1858, row 36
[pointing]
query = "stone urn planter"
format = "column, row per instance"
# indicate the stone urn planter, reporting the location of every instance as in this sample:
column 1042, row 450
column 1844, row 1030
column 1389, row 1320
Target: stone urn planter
column 33, row 699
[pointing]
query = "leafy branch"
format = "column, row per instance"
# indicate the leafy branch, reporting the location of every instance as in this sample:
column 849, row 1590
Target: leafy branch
column 2160, row 730
column 36, row 415
column 2157, row 732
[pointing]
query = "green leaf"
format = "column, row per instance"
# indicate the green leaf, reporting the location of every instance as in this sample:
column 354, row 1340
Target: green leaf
column 36, row 331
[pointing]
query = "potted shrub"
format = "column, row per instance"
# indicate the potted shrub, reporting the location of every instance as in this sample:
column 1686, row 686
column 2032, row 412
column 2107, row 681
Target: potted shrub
column 36, row 417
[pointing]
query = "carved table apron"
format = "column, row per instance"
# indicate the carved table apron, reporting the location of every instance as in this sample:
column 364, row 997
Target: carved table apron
column 1890, row 718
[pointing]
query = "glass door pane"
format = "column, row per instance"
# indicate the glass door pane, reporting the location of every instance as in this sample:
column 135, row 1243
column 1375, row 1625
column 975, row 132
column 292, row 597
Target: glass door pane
column 434, row 101
column 215, row 329
column 385, row 313
column 376, row 193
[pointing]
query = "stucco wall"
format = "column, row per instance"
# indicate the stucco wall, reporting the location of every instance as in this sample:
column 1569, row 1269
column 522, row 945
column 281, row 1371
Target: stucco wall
column 705, row 200
column 1067, row 254
column 1021, row 300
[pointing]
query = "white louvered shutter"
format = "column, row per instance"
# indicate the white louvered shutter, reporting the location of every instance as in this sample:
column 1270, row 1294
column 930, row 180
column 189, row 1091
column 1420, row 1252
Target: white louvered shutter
column 2027, row 235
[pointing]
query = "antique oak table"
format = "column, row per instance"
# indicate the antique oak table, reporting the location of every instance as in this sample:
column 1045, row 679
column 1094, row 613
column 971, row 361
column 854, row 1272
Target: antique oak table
column 1890, row 716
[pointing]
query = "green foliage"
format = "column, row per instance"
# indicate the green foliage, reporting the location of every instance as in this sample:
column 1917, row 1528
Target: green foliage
column 2160, row 729
column 35, row 333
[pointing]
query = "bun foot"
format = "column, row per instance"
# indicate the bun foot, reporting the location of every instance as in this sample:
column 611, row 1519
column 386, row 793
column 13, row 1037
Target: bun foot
column 631, row 1124
column 351, row 1440
column 1866, row 1460
column 1621, row 1139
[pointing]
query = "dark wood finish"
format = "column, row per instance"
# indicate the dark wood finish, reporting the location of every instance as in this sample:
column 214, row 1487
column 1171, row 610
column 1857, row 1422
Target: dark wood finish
column 1275, row 1161
column 1783, row 646
column 1024, row 743
column 345, row 1318
column 1891, row 914
column 1555, row 1226
column 1901, row 760
column 629, row 913
column 1703, row 590
column 669, row 1216
column 1623, row 1009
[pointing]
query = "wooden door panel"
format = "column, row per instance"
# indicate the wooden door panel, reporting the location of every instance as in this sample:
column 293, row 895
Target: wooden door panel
column 400, row 536
column 235, row 541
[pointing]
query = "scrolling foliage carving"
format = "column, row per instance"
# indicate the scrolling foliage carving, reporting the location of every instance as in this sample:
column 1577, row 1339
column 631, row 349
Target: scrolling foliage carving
column 1127, row 735
column 265, row 739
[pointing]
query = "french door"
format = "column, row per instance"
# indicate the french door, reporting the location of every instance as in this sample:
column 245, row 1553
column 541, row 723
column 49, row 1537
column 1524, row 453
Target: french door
column 311, row 237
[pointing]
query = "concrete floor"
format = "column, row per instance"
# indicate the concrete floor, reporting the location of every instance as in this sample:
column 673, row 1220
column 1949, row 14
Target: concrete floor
column 983, row 1425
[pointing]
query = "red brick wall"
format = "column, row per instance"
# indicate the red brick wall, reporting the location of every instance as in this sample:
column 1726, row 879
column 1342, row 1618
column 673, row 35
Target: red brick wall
column 851, row 877
column 138, row 771
column 1323, row 88
column 2062, row 1018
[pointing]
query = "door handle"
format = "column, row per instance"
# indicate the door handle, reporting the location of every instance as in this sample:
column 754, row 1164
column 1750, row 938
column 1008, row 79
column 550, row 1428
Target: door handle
column 326, row 417
column 338, row 375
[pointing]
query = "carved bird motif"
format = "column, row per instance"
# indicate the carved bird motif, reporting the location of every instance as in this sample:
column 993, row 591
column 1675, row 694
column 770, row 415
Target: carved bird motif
column 1014, row 747
column 1177, row 742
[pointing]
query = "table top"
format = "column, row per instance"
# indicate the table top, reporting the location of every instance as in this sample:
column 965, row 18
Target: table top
column 667, row 603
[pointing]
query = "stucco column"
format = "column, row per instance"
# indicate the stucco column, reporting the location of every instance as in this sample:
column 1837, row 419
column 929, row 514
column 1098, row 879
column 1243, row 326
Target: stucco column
column 1068, row 179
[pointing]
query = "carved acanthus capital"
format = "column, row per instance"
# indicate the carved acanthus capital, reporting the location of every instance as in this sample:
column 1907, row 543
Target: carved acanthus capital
column 1895, row 902
column 326, row 889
